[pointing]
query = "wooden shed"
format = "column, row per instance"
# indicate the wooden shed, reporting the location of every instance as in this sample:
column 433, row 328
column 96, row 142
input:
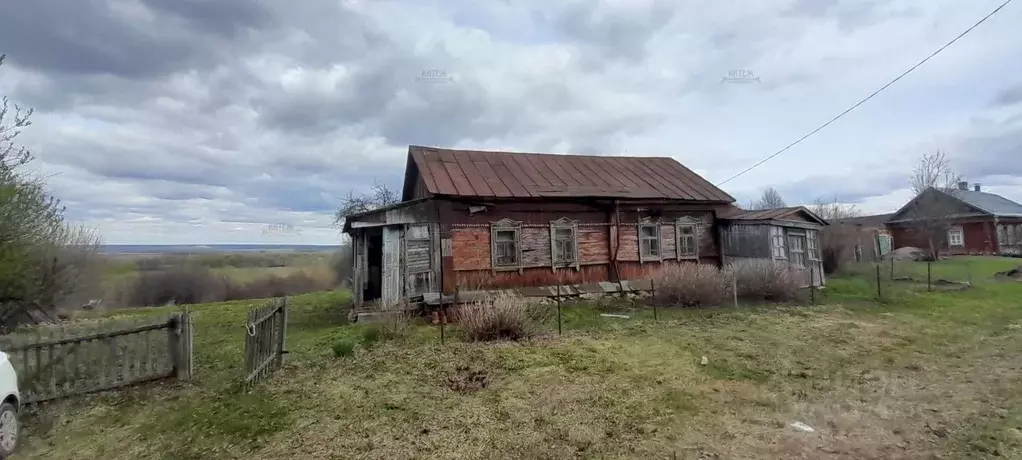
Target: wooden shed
column 477, row 220
column 790, row 236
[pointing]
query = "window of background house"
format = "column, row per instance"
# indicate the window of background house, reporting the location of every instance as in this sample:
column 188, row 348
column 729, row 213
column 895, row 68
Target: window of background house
column 564, row 245
column 687, row 240
column 1002, row 235
column 505, row 250
column 1011, row 236
column 955, row 237
column 649, row 241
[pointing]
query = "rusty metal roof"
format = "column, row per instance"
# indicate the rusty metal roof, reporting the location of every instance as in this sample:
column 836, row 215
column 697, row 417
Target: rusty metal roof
column 471, row 173
column 735, row 213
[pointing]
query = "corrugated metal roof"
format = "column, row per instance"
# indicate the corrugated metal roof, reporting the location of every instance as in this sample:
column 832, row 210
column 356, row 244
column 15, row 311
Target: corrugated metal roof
column 735, row 213
column 989, row 202
column 539, row 175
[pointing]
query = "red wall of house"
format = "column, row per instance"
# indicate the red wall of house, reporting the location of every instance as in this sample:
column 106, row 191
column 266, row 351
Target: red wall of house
column 469, row 264
column 979, row 237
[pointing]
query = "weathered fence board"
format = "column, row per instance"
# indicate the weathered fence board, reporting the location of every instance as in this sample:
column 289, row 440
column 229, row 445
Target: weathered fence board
column 55, row 363
column 264, row 342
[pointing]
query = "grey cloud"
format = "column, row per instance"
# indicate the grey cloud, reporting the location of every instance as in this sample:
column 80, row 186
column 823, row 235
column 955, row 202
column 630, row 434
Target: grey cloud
column 1009, row 96
column 103, row 37
column 610, row 32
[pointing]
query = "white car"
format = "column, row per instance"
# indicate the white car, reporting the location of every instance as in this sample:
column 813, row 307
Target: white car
column 9, row 408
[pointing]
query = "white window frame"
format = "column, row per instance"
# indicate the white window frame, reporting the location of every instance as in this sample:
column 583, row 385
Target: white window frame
column 506, row 225
column 686, row 223
column 954, row 232
column 564, row 224
column 643, row 257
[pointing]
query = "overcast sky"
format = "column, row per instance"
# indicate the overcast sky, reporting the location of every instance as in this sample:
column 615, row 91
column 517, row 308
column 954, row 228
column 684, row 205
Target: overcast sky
column 206, row 121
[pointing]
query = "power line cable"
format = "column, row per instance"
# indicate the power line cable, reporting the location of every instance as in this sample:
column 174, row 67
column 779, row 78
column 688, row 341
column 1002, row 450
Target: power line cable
column 899, row 77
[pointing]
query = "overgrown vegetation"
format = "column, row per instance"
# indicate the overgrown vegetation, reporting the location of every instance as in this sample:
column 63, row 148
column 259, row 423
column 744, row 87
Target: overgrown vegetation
column 764, row 280
column 45, row 263
column 926, row 375
column 689, row 285
column 191, row 285
column 500, row 317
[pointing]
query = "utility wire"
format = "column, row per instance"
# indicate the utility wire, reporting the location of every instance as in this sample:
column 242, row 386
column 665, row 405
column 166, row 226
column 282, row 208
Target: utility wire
column 899, row 77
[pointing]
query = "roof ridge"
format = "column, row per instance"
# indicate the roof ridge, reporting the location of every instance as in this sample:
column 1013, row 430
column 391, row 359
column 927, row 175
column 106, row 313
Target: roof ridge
column 514, row 152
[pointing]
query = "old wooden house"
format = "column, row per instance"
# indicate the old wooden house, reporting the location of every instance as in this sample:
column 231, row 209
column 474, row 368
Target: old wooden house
column 862, row 238
column 473, row 219
column 789, row 236
column 969, row 222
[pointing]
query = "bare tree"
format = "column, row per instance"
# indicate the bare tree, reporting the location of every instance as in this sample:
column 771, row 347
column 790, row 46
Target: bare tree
column 11, row 124
column 934, row 171
column 837, row 241
column 379, row 195
column 770, row 199
column 930, row 216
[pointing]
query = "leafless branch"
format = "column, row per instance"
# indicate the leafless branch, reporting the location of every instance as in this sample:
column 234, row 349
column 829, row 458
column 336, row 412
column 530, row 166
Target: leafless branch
column 379, row 195
column 771, row 199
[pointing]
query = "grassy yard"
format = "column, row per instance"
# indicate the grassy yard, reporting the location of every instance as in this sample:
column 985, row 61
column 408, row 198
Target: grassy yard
column 924, row 375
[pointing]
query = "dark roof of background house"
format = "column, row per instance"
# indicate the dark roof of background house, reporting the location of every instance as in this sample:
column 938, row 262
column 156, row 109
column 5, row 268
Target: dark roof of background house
column 867, row 221
column 735, row 213
column 989, row 202
column 470, row 173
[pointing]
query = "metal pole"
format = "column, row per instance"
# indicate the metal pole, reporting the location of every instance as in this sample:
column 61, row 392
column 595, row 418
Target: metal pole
column 968, row 271
column 812, row 286
column 928, row 284
column 652, row 287
column 892, row 268
column 880, row 298
column 559, row 327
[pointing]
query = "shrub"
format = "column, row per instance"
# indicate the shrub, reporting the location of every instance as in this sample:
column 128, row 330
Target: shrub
column 395, row 325
column 179, row 285
column 343, row 348
column 370, row 336
column 500, row 317
column 277, row 286
column 765, row 280
column 688, row 285
column 341, row 265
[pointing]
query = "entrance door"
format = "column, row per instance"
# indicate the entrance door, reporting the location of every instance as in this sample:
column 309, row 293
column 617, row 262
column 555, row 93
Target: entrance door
column 391, row 266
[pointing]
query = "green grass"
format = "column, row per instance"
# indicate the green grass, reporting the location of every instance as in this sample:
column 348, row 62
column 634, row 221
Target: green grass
column 926, row 373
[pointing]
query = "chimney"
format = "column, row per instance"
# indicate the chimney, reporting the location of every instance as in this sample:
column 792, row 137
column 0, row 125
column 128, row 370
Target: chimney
column 976, row 187
column 963, row 185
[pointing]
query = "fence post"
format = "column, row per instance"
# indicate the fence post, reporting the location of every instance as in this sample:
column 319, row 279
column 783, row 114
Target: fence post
column 174, row 344
column 880, row 297
column 652, row 288
column 283, row 330
column 928, row 284
column 558, row 298
column 892, row 267
column 968, row 271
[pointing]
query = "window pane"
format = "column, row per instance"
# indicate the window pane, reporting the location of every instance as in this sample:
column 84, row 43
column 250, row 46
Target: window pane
column 505, row 235
column 687, row 229
column 648, row 231
column 562, row 233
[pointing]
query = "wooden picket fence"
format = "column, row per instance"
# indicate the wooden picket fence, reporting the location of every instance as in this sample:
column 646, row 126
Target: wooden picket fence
column 58, row 362
column 264, row 342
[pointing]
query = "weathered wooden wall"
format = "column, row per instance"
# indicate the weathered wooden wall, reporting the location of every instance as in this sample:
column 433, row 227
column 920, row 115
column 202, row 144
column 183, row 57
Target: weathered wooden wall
column 599, row 228
column 746, row 241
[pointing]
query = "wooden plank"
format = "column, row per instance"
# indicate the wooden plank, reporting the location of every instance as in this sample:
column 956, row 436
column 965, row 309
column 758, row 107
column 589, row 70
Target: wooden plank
column 82, row 391
column 103, row 335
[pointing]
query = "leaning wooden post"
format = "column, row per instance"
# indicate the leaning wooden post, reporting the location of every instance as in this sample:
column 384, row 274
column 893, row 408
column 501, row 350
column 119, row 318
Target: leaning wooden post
column 892, row 268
